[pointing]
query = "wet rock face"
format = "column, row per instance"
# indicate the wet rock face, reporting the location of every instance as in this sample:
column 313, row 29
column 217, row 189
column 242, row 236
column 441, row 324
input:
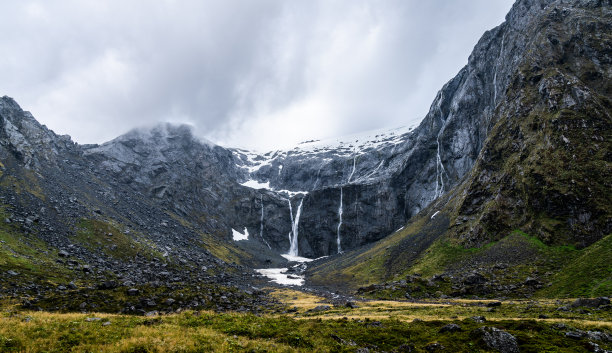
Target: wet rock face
column 390, row 177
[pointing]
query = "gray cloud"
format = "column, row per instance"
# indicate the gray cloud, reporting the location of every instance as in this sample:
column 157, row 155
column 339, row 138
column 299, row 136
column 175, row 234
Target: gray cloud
column 257, row 74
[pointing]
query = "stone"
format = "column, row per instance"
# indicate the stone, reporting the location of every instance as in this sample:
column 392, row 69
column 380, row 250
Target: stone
column 497, row 339
column 320, row 308
column 450, row 328
column 351, row 304
column 169, row 301
column 591, row 302
column 434, row 347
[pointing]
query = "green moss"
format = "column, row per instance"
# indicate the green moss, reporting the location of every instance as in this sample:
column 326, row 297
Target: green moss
column 588, row 274
column 105, row 237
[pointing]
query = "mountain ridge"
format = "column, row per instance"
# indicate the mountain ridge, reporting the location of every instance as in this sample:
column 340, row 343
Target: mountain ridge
column 492, row 142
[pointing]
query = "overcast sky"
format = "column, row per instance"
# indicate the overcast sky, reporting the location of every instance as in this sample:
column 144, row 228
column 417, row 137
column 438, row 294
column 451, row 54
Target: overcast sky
column 259, row 74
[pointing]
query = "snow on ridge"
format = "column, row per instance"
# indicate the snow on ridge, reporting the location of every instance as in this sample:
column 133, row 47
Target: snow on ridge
column 254, row 184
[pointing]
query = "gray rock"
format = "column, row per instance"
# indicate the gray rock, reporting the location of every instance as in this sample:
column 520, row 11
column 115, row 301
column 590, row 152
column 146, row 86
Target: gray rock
column 591, row 302
column 497, row 339
column 450, row 328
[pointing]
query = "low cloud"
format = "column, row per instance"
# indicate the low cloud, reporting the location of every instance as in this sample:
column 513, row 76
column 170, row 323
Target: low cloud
column 256, row 74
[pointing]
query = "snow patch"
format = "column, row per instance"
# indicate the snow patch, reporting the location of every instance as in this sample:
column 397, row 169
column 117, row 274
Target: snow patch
column 240, row 236
column 434, row 215
column 254, row 184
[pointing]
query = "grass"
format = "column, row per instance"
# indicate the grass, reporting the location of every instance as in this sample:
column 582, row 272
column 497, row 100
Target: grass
column 97, row 235
column 589, row 274
column 29, row 256
column 376, row 325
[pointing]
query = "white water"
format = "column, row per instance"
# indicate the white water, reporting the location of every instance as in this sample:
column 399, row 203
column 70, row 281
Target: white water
column 297, row 258
column 339, row 223
column 440, row 171
column 501, row 50
column 340, row 209
column 279, row 276
column 293, row 236
column 353, row 171
column 262, row 223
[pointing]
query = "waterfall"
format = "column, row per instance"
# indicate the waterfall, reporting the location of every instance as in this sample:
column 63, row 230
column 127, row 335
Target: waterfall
column 340, row 209
column 353, row 171
column 339, row 223
column 440, row 171
column 501, row 50
column 262, row 223
column 293, row 236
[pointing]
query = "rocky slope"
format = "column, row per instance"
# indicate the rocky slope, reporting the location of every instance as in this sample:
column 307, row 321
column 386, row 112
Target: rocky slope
column 538, row 197
column 519, row 140
column 72, row 232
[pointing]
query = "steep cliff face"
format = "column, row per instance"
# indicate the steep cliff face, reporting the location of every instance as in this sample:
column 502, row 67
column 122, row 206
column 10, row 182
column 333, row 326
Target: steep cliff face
column 359, row 189
column 537, row 198
column 355, row 190
column 387, row 179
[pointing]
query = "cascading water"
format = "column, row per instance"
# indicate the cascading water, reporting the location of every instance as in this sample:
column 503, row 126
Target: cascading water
column 340, row 209
column 353, row 171
column 262, row 223
column 339, row 223
column 501, row 50
column 440, row 171
column 293, row 236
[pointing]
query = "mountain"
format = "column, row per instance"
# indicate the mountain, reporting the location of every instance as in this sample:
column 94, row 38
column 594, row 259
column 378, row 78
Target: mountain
column 503, row 188
column 537, row 198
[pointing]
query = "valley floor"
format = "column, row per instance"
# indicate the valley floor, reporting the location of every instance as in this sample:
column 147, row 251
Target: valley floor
column 313, row 323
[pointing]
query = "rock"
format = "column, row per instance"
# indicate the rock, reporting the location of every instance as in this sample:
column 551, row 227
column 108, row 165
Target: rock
column 169, row 301
column 591, row 302
column 151, row 313
column 106, row 323
column 405, row 348
column 351, row 304
column 497, row 339
column 434, row 347
column 319, row 308
column 133, row 291
column 474, row 278
column 494, row 304
column 531, row 282
column 91, row 319
column 478, row 319
column 12, row 273
column 574, row 334
column 450, row 328
column 594, row 347
column 63, row 253
column 108, row 285
column 599, row 336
